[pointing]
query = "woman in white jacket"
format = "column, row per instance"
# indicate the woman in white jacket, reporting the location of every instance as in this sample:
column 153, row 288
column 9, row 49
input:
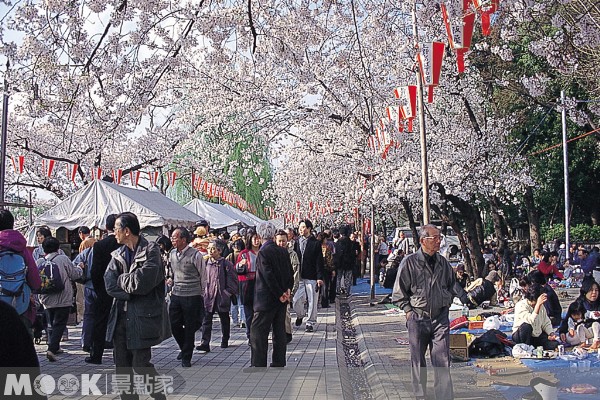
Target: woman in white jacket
column 532, row 325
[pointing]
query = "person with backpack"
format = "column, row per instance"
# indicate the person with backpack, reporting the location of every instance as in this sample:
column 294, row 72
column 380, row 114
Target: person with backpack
column 56, row 291
column 17, row 262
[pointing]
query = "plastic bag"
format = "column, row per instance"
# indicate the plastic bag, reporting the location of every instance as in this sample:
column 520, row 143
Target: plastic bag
column 492, row 322
column 522, row 350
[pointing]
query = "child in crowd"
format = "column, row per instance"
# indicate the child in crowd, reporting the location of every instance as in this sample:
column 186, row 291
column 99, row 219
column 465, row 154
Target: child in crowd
column 572, row 330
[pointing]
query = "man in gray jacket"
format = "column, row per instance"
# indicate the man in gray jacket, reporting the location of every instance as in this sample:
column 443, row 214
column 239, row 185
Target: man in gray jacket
column 424, row 289
column 135, row 278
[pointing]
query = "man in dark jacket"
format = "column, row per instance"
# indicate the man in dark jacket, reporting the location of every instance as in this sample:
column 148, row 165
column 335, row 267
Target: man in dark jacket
column 310, row 255
column 97, row 296
column 274, row 281
column 135, row 278
column 344, row 260
column 424, row 289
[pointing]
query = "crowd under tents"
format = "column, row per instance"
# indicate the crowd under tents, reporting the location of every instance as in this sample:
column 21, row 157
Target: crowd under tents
column 94, row 202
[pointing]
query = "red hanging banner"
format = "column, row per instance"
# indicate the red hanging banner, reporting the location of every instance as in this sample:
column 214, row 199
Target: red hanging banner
column 72, row 171
column 117, row 175
column 171, row 177
column 134, row 177
column 48, row 166
column 18, row 164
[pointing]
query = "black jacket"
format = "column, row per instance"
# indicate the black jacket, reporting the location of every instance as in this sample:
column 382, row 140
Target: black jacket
column 311, row 264
column 345, row 254
column 100, row 260
column 274, row 276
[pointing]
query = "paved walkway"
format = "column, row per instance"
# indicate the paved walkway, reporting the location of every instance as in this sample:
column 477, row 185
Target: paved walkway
column 352, row 354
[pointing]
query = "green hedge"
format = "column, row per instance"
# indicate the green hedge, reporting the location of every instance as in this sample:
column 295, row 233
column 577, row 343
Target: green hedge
column 579, row 233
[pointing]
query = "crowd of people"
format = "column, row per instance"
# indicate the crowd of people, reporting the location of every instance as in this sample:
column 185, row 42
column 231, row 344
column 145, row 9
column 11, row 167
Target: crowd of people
column 134, row 293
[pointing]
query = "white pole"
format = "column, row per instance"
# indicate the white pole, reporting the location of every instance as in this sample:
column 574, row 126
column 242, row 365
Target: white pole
column 566, row 172
column 422, row 136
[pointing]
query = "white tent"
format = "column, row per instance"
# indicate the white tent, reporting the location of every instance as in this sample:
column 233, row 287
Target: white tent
column 234, row 213
column 241, row 215
column 216, row 218
column 278, row 222
column 93, row 203
column 254, row 217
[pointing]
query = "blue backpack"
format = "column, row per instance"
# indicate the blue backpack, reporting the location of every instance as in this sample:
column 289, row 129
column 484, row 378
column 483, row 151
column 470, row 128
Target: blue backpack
column 51, row 280
column 14, row 289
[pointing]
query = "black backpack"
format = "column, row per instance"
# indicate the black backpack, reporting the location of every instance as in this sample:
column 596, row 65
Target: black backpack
column 489, row 345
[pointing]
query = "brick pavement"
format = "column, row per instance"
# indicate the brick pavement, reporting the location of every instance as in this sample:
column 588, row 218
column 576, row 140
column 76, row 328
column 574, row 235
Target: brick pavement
column 365, row 363
column 312, row 368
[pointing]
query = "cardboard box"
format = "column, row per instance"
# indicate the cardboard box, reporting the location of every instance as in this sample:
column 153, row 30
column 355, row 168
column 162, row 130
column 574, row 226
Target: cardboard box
column 459, row 346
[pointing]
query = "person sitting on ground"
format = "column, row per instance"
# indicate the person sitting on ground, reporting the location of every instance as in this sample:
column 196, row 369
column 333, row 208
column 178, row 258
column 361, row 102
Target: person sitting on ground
column 589, row 298
column 553, row 307
column 532, row 325
column 549, row 266
column 482, row 290
column 572, row 329
column 462, row 278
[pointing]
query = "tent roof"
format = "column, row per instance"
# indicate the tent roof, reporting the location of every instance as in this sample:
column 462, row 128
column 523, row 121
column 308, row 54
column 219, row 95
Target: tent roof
column 254, row 217
column 215, row 217
column 235, row 213
column 93, row 203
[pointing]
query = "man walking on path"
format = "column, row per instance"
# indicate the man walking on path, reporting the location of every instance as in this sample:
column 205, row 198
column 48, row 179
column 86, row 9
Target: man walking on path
column 308, row 249
column 424, row 289
column 344, row 260
column 135, row 278
column 274, row 281
column 186, row 310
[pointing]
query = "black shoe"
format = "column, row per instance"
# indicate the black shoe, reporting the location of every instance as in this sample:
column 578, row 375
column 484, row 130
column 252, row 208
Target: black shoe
column 224, row 345
column 86, row 349
column 309, row 328
column 91, row 360
column 186, row 363
column 203, row 347
column 289, row 338
column 179, row 356
column 298, row 321
column 276, row 365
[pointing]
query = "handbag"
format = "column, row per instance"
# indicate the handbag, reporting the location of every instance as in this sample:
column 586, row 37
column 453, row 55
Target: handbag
column 241, row 269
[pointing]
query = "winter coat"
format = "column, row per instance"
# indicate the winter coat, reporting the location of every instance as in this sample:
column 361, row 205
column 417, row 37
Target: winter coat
column 274, row 276
column 13, row 240
column 141, row 287
column 345, row 255
column 311, row 262
column 220, row 284
column 420, row 288
column 68, row 273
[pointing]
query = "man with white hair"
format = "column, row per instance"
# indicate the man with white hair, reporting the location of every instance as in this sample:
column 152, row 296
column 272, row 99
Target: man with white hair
column 274, row 281
column 424, row 289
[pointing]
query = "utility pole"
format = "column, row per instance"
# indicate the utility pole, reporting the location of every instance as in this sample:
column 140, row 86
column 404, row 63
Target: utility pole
column 422, row 135
column 566, row 171
column 4, row 138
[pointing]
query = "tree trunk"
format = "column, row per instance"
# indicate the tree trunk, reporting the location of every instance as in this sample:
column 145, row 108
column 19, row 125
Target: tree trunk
column 451, row 221
column 534, row 220
column 411, row 222
column 500, row 229
column 472, row 219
